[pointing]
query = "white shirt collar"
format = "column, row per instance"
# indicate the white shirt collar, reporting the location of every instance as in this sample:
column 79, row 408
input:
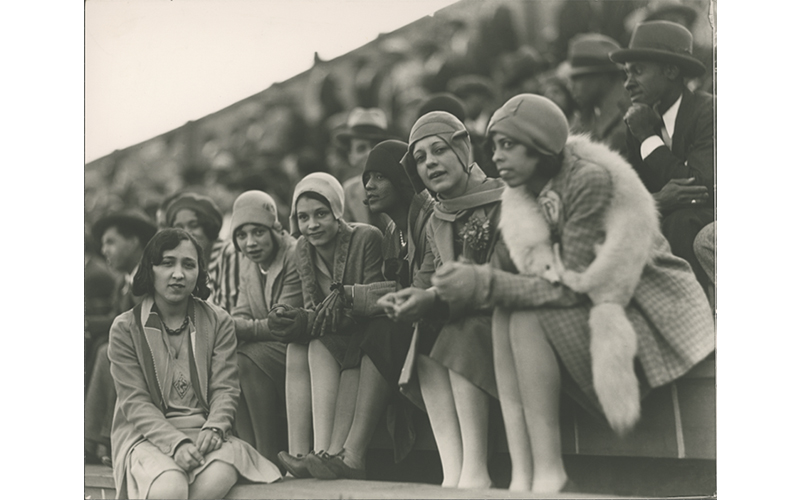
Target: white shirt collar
column 671, row 115
column 129, row 277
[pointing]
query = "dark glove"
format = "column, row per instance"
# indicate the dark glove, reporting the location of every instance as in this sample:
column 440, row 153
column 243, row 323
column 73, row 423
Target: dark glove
column 290, row 324
column 330, row 312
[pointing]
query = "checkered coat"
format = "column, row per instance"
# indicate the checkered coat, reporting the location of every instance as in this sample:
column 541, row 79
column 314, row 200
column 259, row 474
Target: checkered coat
column 669, row 311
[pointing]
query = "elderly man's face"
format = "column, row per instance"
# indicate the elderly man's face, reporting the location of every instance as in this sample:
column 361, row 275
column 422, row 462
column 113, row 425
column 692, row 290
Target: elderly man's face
column 646, row 82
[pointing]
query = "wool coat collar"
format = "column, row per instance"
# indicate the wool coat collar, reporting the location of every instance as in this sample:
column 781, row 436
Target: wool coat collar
column 312, row 294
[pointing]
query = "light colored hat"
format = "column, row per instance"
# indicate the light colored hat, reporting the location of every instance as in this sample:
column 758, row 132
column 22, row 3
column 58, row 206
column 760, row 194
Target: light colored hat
column 445, row 126
column 588, row 54
column 254, row 207
column 323, row 184
column 365, row 123
column 533, row 120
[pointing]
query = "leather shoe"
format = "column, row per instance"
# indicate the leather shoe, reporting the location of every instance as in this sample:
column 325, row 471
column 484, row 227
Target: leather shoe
column 296, row 466
column 324, row 466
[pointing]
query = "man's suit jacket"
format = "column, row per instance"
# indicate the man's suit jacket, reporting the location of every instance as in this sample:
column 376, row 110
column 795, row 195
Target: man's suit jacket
column 692, row 153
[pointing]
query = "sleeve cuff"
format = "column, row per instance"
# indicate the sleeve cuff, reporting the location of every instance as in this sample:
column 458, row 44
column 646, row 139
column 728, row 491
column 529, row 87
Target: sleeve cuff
column 650, row 144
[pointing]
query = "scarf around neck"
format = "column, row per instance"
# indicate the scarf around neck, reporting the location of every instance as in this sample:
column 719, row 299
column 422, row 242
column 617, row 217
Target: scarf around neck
column 488, row 191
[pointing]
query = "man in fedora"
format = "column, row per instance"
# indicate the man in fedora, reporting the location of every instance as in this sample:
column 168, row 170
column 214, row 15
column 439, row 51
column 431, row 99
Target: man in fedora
column 123, row 237
column 366, row 127
column 671, row 131
column 597, row 86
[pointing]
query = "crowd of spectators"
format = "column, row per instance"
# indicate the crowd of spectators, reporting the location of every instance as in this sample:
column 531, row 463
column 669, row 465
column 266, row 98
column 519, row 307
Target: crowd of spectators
column 190, row 180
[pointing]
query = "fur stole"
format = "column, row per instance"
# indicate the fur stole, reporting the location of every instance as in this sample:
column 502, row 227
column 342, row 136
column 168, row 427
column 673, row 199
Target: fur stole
column 631, row 225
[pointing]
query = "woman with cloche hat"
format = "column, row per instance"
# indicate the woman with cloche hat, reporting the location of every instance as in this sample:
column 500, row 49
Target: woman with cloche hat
column 587, row 288
column 455, row 374
column 269, row 277
column 323, row 356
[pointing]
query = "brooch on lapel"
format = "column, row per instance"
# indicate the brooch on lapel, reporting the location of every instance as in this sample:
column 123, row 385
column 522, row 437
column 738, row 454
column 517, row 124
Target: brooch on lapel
column 550, row 204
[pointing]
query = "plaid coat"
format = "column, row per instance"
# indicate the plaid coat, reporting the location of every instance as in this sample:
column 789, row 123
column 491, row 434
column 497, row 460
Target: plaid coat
column 668, row 311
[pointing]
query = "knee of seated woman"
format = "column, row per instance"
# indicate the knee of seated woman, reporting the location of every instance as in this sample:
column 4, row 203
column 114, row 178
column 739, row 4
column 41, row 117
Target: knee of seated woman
column 245, row 365
column 170, row 484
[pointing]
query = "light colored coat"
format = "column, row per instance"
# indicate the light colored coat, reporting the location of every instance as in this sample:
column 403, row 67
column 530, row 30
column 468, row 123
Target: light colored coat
column 138, row 365
column 256, row 297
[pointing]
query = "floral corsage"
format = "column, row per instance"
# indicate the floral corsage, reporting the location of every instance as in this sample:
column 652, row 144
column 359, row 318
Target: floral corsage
column 477, row 236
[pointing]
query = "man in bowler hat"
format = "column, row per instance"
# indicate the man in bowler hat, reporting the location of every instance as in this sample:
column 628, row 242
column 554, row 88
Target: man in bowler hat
column 596, row 84
column 671, row 131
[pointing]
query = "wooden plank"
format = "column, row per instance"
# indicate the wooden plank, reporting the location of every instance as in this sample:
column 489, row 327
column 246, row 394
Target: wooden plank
column 697, row 399
column 318, row 489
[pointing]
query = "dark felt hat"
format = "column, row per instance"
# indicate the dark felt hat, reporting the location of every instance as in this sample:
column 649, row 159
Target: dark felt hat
column 136, row 222
column 658, row 10
column 588, row 54
column 661, row 41
column 364, row 123
column 443, row 101
column 385, row 158
column 202, row 205
column 472, row 84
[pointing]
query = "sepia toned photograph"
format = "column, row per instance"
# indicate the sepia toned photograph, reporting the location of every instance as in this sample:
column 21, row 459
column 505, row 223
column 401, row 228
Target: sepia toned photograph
column 403, row 249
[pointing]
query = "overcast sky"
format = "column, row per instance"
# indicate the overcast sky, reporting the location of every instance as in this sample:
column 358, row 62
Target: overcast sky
column 153, row 65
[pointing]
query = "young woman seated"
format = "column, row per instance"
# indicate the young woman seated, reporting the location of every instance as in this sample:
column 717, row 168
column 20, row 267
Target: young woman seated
column 322, row 365
column 173, row 360
column 386, row 343
column 456, row 375
column 622, row 316
column 268, row 276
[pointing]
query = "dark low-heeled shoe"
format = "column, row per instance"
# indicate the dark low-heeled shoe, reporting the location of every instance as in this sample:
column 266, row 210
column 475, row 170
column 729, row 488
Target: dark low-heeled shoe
column 324, row 466
column 296, row 466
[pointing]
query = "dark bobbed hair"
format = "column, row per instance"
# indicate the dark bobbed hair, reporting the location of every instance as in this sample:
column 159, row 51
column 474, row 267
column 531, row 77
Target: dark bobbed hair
column 549, row 165
column 315, row 196
column 168, row 239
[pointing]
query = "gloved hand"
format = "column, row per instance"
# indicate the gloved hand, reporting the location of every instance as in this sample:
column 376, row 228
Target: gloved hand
column 290, row 324
column 330, row 313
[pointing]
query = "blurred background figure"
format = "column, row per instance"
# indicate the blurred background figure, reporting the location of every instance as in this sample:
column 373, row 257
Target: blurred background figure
column 124, row 236
column 200, row 216
column 597, row 87
column 365, row 129
column 98, row 288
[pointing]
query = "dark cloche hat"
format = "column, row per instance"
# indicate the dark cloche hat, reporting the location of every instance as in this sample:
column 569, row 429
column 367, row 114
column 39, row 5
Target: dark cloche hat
column 661, row 41
column 138, row 223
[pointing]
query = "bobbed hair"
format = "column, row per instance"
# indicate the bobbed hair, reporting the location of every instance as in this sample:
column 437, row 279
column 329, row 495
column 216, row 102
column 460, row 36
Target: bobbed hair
column 168, row 239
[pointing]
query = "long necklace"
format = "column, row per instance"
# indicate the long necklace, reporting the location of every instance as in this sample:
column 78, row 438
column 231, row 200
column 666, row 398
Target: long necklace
column 178, row 330
column 402, row 239
column 178, row 350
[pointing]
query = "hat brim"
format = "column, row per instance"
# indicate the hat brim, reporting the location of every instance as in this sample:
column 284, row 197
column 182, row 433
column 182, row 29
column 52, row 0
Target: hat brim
column 144, row 229
column 591, row 70
column 691, row 66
